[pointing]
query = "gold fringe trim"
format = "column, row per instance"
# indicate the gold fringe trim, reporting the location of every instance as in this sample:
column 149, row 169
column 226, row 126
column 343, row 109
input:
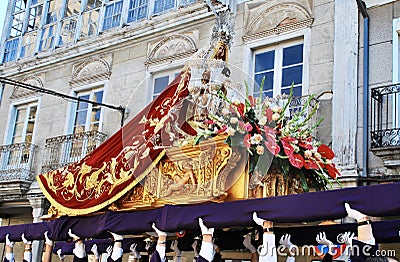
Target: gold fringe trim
column 85, row 211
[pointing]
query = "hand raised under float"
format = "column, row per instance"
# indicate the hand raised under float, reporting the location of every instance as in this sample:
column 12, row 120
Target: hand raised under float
column 158, row 231
column 357, row 215
column 321, row 239
column 95, row 251
column 48, row 241
column 285, row 240
column 26, row 241
column 205, row 230
column 259, row 221
column 60, row 256
column 74, row 237
column 8, row 242
column 135, row 253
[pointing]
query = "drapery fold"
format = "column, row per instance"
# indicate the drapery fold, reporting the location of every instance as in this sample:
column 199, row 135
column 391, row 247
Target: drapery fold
column 377, row 200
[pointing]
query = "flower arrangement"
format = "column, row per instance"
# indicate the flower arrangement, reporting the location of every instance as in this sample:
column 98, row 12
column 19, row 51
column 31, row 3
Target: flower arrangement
column 272, row 136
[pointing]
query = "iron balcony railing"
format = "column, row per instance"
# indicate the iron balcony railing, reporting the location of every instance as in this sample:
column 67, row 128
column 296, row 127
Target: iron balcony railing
column 385, row 118
column 16, row 161
column 66, row 149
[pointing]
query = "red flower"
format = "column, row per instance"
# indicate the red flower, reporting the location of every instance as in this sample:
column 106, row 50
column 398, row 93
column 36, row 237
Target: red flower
column 272, row 147
column 268, row 114
column 332, row 171
column 305, row 144
column 209, row 121
column 287, row 147
column 296, row 160
column 219, row 131
column 252, row 101
column 246, row 141
column 326, row 152
column 310, row 164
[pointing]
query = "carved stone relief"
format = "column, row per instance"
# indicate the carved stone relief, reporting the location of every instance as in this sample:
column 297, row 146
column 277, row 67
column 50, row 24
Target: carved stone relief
column 274, row 18
column 171, row 48
column 91, row 70
column 33, row 80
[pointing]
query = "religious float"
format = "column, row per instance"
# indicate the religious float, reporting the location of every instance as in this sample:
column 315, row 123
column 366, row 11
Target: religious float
column 206, row 148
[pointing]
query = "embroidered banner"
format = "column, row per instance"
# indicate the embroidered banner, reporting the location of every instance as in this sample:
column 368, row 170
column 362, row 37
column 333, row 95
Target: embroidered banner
column 117, row 165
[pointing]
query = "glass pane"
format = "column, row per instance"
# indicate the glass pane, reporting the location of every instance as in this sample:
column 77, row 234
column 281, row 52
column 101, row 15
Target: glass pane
column 73, row 8
column 91, row 4
column 292, row 74
column 19, row 5
column 68, row 31
column 163, row 5
column 47, row 40
column 53, row 11
column 296, row 91
column 98, row 96
column 28, row 45
column 95, row 117
column 17, row 23
column 264, row 61
column 268, row 82
column 10, row 50
column 35, row 15
column 137, row 10
column 90, row 21
column 293, row 55
column 160, row 83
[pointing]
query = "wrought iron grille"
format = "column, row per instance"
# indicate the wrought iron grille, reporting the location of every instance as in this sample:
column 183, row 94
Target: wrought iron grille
column 16, row 161
column 385, row 128
column 66, row 149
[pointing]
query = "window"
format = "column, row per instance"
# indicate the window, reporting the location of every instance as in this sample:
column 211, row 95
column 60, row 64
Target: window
column 35, row 15
column 112, row 16
column 161, row 81
column 87, row 117
column 23, row 125
column 47, row 39
column 280, row 65
column 161, row 6
column 137, row 10
column 10, row 50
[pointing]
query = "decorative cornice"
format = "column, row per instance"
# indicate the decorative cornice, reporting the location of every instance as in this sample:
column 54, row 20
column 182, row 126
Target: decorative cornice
column 33, row 80
column 91, row 70
column 171, row 48
column 279, row 30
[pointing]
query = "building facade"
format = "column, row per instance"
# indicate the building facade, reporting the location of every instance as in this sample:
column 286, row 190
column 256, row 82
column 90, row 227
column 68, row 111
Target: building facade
column 124, row 52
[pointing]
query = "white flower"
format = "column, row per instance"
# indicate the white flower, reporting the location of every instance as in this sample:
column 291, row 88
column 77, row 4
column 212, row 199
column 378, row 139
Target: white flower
column 225, row 111
column 230, row 131
column 317, row 155
column 256, row 139
column 275, row 116
column 307, row 154
column 263, row 120
column 234, row 120
column 276, row 109
column 260, row 150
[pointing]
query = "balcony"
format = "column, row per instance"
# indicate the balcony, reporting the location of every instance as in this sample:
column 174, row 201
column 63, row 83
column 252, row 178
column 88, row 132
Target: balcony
column 16, row 167
column 385, row 124
column 63, row 150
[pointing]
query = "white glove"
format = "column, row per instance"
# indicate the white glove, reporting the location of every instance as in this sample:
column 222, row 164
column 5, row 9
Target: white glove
column 345, row 238
column 48, row 241
column 158, row 231
column 259, row 221
column 26, row 242
column 285, row 240
column 61, row 256
column 148, row 244
column 116, row 236
column 174, row 247
column 135, row 253
column 247, row 243
column 74, row 237
column 321, row 239
column 95, row 251
column 8, row 242
column 357, row 215
column 194, row 246
column 205, row 230
column 109, row 251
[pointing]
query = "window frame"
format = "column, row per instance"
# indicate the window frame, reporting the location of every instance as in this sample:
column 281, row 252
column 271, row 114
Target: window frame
column 260, row 43
column 171, row 73
column 278, row 67
column 12, row 118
